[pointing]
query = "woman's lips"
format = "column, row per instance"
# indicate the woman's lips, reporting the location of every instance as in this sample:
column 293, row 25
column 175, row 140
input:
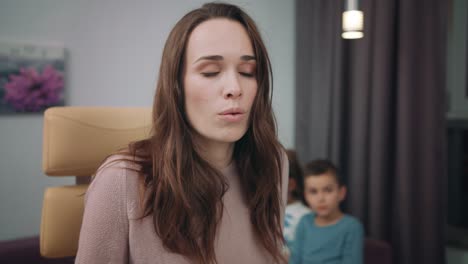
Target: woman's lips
column 233, row 117
column 234, row 114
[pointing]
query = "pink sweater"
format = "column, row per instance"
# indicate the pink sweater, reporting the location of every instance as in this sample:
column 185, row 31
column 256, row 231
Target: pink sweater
column 112, row 233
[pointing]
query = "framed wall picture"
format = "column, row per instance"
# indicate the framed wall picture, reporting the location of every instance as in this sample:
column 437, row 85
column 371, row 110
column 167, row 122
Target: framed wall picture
column 32, row 77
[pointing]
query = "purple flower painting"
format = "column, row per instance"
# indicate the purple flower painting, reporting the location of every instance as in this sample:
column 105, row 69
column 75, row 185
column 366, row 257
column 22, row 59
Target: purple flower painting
column 31, row 91
column 31, row 77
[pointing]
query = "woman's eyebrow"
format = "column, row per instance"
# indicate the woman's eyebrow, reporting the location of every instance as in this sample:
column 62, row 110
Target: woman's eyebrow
column 219, row 58
column 248, row 57
column 210, row 57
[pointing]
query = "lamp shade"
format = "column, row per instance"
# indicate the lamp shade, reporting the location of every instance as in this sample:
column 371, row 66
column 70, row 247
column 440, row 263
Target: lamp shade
column 353, row 23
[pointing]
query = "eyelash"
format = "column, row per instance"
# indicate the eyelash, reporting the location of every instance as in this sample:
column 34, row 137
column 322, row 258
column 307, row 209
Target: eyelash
column 248, row 75
column 209, row 74
column 213, row 74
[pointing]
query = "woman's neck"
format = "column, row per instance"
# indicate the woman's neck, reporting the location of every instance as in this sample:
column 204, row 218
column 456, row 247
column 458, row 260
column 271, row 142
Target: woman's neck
column 218, row 154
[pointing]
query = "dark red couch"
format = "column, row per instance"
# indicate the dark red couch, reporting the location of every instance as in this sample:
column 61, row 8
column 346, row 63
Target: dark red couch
column 26, row 251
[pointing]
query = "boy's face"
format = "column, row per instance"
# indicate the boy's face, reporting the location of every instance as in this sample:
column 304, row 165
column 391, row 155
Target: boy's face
column 323, row 194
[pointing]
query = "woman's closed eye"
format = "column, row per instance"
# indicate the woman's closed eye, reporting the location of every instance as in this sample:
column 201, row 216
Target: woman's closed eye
column 213, row 74
column 209, row 69
column 210, row 74
column 247, row 70
column 247, row 74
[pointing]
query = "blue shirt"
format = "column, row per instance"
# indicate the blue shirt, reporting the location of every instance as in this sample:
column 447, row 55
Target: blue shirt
column 340, row 243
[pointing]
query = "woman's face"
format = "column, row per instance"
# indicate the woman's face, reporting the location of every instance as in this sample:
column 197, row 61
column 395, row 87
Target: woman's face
column 219, row 80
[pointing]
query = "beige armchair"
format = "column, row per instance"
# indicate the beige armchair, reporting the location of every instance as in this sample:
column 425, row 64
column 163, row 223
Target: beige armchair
column 76, row 140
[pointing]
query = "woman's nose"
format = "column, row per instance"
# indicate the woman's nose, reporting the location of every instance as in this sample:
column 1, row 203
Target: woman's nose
column 232, row 86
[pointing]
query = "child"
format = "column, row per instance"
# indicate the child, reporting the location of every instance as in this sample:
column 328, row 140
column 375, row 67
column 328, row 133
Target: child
column 326, row 235
column 295, row 208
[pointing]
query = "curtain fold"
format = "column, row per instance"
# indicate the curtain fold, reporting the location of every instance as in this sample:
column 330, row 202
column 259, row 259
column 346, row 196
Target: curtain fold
column 375, row 106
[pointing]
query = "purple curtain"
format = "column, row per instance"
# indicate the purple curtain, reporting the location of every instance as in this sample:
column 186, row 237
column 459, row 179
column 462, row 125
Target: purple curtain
column 376, row 107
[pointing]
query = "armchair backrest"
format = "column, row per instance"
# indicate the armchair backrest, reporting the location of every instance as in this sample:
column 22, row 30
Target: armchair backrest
column 75, row 142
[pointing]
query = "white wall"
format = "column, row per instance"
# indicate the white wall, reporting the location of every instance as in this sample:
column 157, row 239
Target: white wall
column 114, row 50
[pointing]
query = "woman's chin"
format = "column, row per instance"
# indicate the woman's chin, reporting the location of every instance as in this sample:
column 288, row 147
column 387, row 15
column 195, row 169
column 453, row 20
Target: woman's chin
column 229, row 136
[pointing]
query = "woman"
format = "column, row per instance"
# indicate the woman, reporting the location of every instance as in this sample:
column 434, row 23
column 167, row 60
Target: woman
column 209, row 185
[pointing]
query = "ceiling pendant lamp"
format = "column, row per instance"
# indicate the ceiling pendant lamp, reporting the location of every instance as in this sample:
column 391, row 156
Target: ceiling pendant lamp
column 353, row 21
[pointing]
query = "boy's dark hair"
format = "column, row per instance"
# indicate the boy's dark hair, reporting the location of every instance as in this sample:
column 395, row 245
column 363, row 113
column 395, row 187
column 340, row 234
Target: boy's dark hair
column 296, row 173
column 322, row 166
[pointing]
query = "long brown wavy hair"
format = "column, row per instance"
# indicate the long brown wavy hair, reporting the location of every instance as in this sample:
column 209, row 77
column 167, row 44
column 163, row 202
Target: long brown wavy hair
column 184, row 191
